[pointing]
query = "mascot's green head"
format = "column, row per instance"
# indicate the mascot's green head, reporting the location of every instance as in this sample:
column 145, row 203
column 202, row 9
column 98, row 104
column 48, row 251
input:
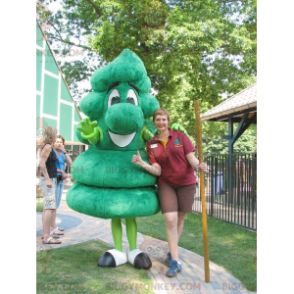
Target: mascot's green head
column 121, row 103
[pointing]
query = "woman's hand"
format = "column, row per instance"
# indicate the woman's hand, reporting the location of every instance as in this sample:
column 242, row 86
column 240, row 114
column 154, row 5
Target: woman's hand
column 48, row 183
column 203, row 167
column 137, row 159
column 154, row 169
column 64, row 175
column 62, row 149
column 195, row 162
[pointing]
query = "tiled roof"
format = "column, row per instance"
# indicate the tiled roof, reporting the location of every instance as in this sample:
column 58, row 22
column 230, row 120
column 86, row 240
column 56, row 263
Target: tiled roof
column 245, row 99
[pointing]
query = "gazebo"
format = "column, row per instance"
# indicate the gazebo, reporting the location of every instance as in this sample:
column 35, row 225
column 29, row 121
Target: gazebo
column 240, row 108
column 231, row 181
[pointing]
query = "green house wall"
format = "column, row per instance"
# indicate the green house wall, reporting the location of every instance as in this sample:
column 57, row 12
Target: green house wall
column 54, row 103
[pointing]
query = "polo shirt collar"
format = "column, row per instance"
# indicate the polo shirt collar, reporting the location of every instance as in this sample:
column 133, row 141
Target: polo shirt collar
column 171, row 133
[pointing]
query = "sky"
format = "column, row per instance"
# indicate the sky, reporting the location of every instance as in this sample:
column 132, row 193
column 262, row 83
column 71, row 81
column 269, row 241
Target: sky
column 76, row 53
column 71, row 56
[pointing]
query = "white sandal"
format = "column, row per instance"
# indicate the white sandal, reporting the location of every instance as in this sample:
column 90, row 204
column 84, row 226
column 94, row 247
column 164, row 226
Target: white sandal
column 49, row 239
column 51, row 234
column 56, row 233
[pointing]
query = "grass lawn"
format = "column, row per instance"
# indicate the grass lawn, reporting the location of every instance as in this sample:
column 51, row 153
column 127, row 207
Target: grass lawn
column 230, row 246
column 74, row 269
column 39, row 204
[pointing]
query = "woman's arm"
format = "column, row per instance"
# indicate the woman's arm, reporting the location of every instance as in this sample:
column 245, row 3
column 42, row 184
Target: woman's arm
column 44, row 156
column 67, row 157
column 154, row 169
column 68, row 161
column 63, row 174
column 193, row 161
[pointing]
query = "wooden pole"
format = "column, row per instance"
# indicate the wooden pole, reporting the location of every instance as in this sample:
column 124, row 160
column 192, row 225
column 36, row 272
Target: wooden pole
column 202, row 192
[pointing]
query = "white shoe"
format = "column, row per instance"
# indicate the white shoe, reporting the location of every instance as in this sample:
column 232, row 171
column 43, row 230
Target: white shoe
column 112, row 258
column 139, row 259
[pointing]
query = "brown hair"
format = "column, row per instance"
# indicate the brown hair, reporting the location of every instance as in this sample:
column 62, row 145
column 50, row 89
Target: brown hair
column 60, row 137
column 49, row 135
column 160, row 111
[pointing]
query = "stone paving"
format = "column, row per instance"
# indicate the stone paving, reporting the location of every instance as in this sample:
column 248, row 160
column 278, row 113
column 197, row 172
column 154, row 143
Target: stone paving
column 81, row 228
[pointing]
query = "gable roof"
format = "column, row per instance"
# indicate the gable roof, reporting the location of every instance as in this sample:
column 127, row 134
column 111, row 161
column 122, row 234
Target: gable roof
column 55, row 105
column 235, row 106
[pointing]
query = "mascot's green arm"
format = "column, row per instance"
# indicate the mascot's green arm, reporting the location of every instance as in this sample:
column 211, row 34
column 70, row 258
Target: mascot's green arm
column 146, row 135
column 90, row 131
column 178, row 127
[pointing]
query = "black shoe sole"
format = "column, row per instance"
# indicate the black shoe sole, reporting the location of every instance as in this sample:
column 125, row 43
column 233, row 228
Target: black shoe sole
column 171, row 275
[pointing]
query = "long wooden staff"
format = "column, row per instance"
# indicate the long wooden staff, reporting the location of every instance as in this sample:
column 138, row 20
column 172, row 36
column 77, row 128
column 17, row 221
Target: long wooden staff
column 202, row 192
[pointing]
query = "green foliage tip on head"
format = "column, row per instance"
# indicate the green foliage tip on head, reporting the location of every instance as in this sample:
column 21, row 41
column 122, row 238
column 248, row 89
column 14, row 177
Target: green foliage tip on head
column 127, row 67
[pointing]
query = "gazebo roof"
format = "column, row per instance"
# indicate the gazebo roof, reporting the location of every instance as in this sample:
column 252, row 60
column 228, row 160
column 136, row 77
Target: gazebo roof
column 236, row 106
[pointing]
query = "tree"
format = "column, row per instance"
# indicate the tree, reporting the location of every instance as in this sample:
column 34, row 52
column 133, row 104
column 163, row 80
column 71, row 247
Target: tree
column 192, row 50
column 214, row 144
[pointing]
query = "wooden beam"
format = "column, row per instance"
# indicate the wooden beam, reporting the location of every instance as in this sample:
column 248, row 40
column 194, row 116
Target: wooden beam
column 202, row 191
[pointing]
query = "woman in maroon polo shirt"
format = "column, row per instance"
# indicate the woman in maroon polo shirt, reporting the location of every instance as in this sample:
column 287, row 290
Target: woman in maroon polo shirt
column 171, row 158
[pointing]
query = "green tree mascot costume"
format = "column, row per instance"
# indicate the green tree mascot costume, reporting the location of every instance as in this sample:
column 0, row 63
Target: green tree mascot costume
column 108, row 184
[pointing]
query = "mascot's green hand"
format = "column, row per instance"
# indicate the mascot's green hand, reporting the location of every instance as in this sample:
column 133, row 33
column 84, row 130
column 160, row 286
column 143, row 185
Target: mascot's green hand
column 146, row 135
column 87, row 127
column 178, row 127
column 90, row 131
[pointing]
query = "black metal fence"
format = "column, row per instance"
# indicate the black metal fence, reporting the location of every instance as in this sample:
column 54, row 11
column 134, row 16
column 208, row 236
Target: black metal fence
column 230, row 189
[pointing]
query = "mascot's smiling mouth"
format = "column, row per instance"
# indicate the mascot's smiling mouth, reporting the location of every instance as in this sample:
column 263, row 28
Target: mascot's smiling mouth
column 121, row 140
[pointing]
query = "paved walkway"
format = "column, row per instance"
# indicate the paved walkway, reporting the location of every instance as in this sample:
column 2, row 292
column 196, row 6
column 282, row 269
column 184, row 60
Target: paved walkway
column 81, row 228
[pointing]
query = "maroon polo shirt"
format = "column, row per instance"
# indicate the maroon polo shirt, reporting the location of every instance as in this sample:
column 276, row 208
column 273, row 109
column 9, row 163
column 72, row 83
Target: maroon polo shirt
column 175, row 168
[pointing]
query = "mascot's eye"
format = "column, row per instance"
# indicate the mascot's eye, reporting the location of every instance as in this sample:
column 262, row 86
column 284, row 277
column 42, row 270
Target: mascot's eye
column 131, row 97
column 113, row 98
column 149, row 248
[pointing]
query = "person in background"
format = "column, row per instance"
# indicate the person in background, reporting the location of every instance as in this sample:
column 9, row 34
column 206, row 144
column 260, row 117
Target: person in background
column 171, row 158
column 48, row 180
column 62, row 157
